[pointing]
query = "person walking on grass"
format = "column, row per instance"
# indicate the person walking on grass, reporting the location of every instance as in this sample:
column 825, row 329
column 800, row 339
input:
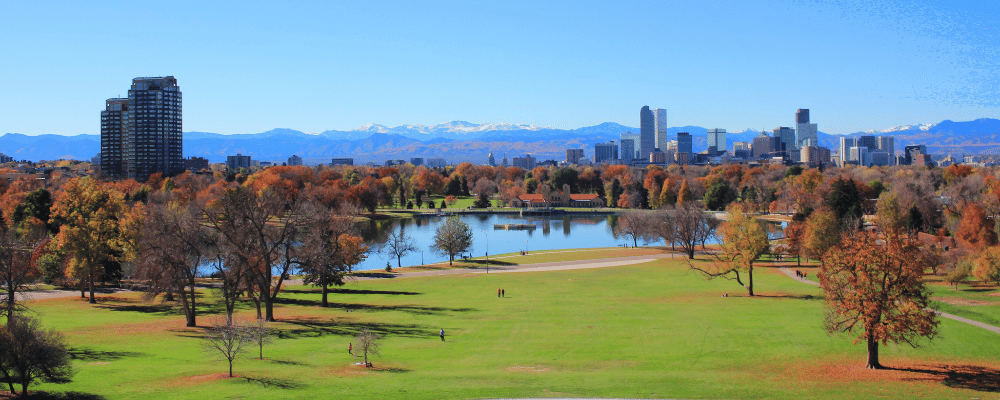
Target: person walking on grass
column 442, row 334
column 503, row 292
column 498, row 292
column 350, row 348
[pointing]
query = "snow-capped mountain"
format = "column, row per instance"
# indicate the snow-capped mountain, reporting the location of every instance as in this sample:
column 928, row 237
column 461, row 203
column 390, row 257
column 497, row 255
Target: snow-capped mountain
column 458, row 130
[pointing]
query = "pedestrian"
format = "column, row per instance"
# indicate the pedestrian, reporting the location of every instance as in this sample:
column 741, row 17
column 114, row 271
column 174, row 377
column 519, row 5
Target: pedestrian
column 503, row 292
column 442, row 334
column 498, row 292
column 350, row 348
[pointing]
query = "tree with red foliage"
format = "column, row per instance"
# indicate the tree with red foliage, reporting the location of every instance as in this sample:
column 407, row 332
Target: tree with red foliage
column 976, row 229
column 874, row 289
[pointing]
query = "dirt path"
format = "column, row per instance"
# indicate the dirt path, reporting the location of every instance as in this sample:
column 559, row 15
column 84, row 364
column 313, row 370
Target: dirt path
column 53, row 294
column 991, row 328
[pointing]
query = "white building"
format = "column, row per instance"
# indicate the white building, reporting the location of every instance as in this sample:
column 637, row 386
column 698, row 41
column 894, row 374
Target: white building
column 716, row 139
column 660, row 123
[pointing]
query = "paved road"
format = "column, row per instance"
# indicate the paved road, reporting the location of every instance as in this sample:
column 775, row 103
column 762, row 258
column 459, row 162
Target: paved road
column 991, row 328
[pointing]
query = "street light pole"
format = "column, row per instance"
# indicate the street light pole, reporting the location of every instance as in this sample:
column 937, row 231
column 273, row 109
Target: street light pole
column 485, row 232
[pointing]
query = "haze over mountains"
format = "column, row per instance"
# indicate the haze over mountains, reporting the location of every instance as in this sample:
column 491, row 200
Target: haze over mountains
column 459, row 141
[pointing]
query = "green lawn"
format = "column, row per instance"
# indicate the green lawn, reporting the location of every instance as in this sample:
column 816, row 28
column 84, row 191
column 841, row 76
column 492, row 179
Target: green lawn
column 654, row 330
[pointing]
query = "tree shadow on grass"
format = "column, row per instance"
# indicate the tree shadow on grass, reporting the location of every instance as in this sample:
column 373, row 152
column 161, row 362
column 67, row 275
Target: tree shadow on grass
column 97, row 355
column 277, row 383
column 789, row 296
column 62, row 396
column 315, row 327
column 973, row 377
column 408, row 308
column 286, row 362
column 350, row 291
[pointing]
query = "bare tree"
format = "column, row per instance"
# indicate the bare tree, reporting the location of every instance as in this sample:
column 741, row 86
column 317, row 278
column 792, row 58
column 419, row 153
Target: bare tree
column 663, row 225
column 399, row 245
column 28, row 353
column 260, row 334
column 633, row 224
column 173, row 245
column 368, row 343
column 227, row 338
column 691, row 225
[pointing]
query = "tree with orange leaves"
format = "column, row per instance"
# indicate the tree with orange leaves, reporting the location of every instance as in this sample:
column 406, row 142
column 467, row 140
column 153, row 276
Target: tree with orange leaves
column 18, row 261
column 684, row 194
column 976, row 229
column 874, row 289
column 744, row 240
column 90, row 233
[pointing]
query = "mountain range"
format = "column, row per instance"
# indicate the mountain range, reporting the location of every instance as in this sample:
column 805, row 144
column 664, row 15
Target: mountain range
column 459, row 141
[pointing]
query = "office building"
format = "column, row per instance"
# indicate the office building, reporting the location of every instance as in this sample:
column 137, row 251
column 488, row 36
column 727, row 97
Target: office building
column 490, row 161
column 627, row 150
column 439, row 162
column 420, row 160
column 763, row 146
column 341, row 161
column 786, row 137
column 871, row 142
column 647, row 133
column 806, row 134
column 504, row 162
column 141, row 134
column 921, row 159
column 682, row 158
column 716, row 141
column 684, row 142
column 660, row 123
column 238, row 161
column 603, row 152
column 526, row 162
column 887, row 144
column 814, row 156
column 294, row 160
column 573, row 156
column 859, row 155
column 657, row 157
column 913, row 150
column 878, row 158
column 845, row 148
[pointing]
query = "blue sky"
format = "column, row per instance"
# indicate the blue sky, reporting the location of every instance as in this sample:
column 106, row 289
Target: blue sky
column 248, row 67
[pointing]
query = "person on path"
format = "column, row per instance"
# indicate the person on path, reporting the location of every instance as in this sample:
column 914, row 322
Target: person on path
column 442, row 334
column 350, row 348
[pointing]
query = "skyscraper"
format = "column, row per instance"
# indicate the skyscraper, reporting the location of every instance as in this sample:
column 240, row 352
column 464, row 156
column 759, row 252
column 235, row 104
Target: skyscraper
column 888, row 145
column 806, row 134
column 146, row 127
column 786, row 136
column 716, row 141
column 660, row 121
column 684, row 142
column 629, row 146
column 871, row 142
column 845, row 150
column 573, row 156
column 647, row 132
column 605, row 151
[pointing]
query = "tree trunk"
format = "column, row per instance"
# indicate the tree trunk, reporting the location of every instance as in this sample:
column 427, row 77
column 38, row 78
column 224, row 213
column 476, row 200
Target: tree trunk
column 10, row 382
column 451, row 257
column 10, row 301
column 24, row 386
column 269, row 309
column 873, row 354
column 399, row 262
column 191, row 322
column 325, row 292
column 750, row 287
column 230, row 368
column 170, row 296
column 691, row 254
column 91, row 282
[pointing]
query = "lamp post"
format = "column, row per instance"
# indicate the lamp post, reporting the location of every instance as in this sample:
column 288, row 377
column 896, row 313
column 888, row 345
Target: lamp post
column 525, row 246
column 487, row 233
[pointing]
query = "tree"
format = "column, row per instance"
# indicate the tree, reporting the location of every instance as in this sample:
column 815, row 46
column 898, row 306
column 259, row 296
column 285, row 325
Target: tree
column 795, row 235
column 976, row 229
column 684, row 195
column 690, row 222
column 821, row 233
column 368, row 343
column 662, row 224
column 89, row 234
column 667, row 195
column 744, row 240
column 18, row 263
column 874, row 289
column 399, row 245
column 845, row 201
column 330, row 250
column 28, row 354
column 452, row 237
column 228, row 339
column 718, row 196
column 888, row 216
column 260, row 334
column 37, row 204
column 483, row 201
column 987, row 266
column 632, row 224
column 173, row 245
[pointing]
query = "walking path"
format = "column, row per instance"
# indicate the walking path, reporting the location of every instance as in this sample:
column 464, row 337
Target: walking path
column 991, row 328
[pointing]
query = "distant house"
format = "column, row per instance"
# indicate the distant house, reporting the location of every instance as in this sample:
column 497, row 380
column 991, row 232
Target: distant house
column 557, row 198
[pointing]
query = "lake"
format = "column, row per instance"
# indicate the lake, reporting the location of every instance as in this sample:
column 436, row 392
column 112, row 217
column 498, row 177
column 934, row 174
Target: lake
column 550, row 233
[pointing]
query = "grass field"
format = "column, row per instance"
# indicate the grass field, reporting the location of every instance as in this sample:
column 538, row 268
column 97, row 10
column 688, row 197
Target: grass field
column 653, row 330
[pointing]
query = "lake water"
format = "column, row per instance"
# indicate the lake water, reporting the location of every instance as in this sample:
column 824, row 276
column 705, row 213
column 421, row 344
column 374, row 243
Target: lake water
column 550, row 233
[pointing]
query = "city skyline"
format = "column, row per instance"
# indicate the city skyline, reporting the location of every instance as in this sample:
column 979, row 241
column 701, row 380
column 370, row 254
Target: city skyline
column 318, row 67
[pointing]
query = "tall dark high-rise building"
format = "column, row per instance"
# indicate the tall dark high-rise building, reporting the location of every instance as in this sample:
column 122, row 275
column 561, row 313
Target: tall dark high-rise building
column 114, row 125
column 802, row 116
column 148, row 131
column 647, row 132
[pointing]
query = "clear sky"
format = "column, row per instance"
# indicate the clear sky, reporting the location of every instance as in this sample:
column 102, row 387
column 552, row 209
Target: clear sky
column 247, row 67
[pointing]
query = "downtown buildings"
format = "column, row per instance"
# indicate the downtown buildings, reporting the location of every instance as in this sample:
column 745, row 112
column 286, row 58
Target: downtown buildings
column 141, row 134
